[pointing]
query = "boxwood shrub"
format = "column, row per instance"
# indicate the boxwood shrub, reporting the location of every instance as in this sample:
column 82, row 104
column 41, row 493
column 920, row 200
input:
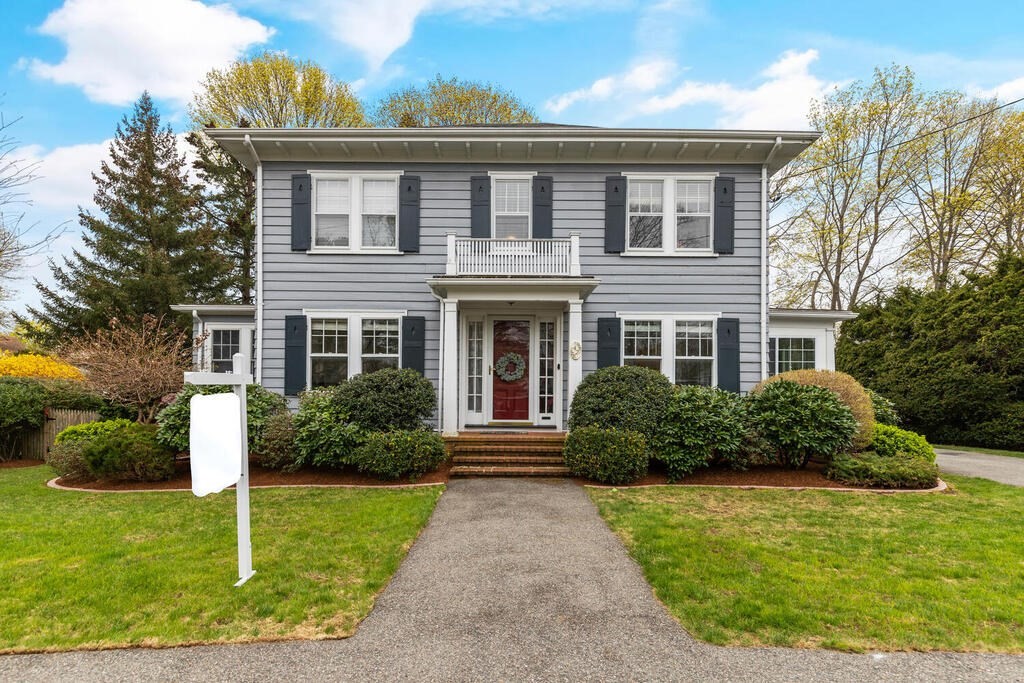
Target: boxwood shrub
column 131, row 452
column 610, row 456
column 277, row 449
column 90, row 430
column 894, row 472
column 66, row 459
column 801, row 421
column 324, row 434
column 386, row 400
column 891, row 441
column 400, row 453
column 701, row 425
column 622, row 397
column 174, row 419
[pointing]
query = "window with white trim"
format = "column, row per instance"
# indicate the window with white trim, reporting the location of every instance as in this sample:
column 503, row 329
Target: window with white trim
column 695, row 352
column 641, row 343
column 683, row 204
column 355, row 212
column 513, row 201
column 794, row 353
column 224, row 344
column 328, row 351
column 380, row 344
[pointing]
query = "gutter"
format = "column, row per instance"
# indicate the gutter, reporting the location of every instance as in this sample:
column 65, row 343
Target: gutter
column 259, row 258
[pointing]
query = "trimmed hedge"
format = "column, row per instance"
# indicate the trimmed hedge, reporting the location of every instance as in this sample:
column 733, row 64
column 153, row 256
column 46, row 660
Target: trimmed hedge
column 386, row 400
column 400, row 453
column 90, row 430
column 623, row 397
column 610, row 456
column 701, row 424
column 849, row 391
column 324, row 435
column 277, row 450
column 66, row 459
column 801, row 421
column 174, row 420
column 129, row 453
column 891, row 441
column 894, row 472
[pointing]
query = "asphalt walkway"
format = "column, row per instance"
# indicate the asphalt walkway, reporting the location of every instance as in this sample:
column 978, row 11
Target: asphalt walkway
column 511, row 580
column 1001, row 468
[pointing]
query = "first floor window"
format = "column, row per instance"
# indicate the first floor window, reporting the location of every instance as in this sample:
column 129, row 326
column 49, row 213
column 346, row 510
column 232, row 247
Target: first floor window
column 380, row 344
column 794, row 353
column 224, row 344
column 328, row 352
column 695, row 352
column 641, row 343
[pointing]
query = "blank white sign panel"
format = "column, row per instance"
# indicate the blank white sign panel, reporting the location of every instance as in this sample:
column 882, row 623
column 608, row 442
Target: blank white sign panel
column 215, row 442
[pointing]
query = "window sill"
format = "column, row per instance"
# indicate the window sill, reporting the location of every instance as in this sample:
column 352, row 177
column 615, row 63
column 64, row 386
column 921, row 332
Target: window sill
column 354, row 252
column 694, row 253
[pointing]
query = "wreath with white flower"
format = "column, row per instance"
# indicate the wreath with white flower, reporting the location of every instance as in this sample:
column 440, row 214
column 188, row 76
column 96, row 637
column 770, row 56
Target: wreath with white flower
column 510, row 367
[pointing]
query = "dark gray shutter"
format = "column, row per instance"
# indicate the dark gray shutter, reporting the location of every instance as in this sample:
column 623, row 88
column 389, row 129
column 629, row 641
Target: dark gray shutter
column 302, row 214
column 413, row 356
column 294, row 354
column 409, row 213
column 725, row 214
column 480, row 205
column 609, row 342
column 542, row 222
column 729, row 354
column 772, row 368
column 614, row 214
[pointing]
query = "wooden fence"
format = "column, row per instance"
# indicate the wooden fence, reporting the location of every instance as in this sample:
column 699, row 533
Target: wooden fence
column 35, row 445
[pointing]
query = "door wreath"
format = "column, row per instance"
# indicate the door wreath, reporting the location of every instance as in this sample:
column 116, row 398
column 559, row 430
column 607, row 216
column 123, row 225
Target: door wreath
column 510, row 367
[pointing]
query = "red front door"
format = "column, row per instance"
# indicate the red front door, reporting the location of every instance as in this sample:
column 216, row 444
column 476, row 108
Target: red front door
column 510, row 383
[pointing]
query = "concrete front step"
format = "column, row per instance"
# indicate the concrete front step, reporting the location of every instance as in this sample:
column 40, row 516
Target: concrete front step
column 495, row 459
column 509, row 471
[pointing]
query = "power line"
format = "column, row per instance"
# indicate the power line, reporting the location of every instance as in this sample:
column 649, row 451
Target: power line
column 913, row 139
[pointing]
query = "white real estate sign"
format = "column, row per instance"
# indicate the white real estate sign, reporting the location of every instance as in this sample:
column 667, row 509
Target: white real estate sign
column 219, row 447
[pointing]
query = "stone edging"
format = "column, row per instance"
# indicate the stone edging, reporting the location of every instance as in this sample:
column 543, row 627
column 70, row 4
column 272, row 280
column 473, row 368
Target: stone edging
column 938, row 489
column 60, row 487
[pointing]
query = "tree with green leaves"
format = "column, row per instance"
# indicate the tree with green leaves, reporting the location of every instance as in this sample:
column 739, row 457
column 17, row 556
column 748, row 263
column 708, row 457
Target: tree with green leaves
column 450, row 102
column 146, row 248
column 269, row 90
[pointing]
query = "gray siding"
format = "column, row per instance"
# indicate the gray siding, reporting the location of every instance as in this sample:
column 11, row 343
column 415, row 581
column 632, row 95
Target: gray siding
column 728, row 284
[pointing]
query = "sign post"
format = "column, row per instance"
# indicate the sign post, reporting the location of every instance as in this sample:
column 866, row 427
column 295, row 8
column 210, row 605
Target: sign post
column 219, row 447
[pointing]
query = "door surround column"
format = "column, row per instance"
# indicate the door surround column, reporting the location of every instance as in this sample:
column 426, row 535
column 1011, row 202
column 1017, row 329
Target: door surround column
column 575, row 346
column 450, row 373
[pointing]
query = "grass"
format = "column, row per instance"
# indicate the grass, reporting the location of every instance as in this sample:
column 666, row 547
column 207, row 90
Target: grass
column 849, row 571
column 976, row 449
column 83, row 570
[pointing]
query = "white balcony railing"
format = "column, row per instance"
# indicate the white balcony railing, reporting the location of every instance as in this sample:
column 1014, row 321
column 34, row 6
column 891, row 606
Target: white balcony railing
column 539, row 258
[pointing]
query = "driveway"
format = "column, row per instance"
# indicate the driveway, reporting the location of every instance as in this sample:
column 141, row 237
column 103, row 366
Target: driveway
column 511, row 580
column 1001, row 468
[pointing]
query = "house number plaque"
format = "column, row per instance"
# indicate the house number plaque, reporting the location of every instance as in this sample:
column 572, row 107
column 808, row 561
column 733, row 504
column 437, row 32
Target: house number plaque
column 575, row 350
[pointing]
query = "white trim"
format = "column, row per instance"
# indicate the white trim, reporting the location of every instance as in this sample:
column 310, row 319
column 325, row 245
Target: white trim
column 346, row 312
column 354, row 333
column 499, row 175
column 355, row 210
column 668, row 338
column 652, row 175
column 676, row 316
column 669, row 215
column 513, row 175
column 259, row 260
column 209, row 328
column 765, row 268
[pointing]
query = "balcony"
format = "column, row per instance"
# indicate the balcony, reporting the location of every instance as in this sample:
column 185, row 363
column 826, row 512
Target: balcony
column 512, row 257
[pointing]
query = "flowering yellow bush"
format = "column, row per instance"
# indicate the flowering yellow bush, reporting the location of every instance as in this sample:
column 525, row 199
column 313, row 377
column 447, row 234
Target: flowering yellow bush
column 35, row 365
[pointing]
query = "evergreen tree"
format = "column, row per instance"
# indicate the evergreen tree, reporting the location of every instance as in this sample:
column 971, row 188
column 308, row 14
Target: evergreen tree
column 147, row 249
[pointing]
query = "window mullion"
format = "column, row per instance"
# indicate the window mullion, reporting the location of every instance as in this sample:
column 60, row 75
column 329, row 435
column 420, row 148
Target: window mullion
column 668, row 220
column 355, row 212
column 668, row 348
column 355, row 345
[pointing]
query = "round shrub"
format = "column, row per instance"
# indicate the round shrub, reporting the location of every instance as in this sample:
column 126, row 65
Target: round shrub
column 883, row 408
column 400, row 453
column 277, row 449
column 67, row 460
column 891, row 441
column 623, row 397
column 801, row 421
column 870, row 469
column 174, row 419
column 701, row 424
column 849, row 391
column 324, row 435
column 610, row 456
column 129, row 453
column 387, row 400
column 90, row 430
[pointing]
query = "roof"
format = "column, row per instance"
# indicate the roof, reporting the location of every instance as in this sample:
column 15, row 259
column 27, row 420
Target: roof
column 500, row 144
column 216, row 309
column 823, row 315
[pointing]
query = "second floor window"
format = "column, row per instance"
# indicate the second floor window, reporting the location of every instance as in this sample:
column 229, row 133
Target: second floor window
column 512, row 201
column 670, row 215
column 355, row 213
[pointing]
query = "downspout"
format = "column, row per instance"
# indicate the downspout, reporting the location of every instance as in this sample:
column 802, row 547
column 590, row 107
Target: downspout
column 202, row 331
column 259, row 258
column 765, row 271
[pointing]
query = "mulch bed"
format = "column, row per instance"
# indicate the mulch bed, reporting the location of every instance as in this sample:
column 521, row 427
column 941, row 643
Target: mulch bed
column 261, row 476
column 768, row 475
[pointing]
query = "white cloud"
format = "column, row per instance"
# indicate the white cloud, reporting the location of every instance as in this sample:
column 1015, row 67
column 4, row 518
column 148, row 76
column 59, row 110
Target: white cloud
column 781, row 100
column 118, row 48
column 644, row 77
column 65, row 175
column 1004, row 92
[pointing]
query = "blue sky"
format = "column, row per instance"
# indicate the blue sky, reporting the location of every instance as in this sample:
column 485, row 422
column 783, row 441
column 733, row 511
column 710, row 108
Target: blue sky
column 71, row 69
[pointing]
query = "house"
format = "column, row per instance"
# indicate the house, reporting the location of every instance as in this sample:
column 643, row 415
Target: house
column 507, row 262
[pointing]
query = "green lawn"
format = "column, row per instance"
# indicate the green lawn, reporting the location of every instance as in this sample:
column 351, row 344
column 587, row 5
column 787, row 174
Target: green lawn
column 976, row 449
column 850, row 571
column 113, row 569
